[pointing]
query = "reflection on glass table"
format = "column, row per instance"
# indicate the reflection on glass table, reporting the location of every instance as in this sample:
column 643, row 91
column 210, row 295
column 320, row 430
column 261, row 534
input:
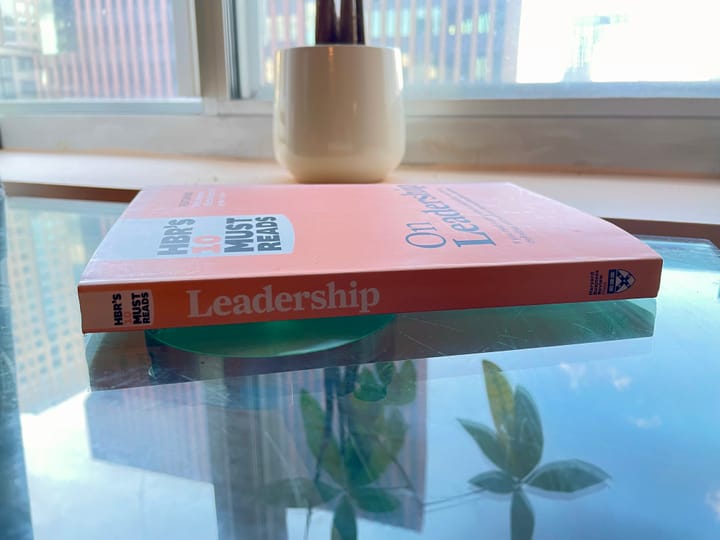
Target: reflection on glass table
column 595, row 420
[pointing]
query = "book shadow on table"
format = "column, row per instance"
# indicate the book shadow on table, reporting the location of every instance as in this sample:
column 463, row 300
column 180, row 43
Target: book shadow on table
column 129, row 359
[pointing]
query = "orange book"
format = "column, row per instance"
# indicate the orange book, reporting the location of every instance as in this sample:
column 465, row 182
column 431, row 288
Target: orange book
column 202, row 255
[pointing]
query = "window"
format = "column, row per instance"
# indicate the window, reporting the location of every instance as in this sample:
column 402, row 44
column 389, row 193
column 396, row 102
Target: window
column 9, row 33
column 28, row 88
column 463, row 48
column 6, row 67
column 7, row 88
column 98, row 50
column 525, row 48
column 25, row 63
column 598, row 84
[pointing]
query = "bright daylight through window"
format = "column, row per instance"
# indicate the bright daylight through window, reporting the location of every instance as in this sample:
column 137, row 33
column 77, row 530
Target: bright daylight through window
column 106, row 49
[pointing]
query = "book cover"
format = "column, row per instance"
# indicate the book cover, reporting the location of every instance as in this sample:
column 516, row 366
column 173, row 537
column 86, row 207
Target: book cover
column 206, row 255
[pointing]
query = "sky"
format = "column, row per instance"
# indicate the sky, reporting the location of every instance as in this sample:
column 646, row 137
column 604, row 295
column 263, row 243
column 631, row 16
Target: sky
column 652, row 40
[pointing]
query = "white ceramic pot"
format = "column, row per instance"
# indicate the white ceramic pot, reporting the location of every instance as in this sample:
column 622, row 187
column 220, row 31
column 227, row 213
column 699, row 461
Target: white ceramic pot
column 338, row 112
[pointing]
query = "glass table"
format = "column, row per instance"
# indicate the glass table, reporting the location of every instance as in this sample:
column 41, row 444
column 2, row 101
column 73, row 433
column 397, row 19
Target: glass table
column 595, row 420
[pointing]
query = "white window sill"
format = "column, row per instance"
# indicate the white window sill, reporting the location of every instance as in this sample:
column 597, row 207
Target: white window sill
column 639, row 136
column 648, row 204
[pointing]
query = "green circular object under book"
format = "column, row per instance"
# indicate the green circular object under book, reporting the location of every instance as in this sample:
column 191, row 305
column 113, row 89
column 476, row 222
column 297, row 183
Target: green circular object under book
column 271, row 339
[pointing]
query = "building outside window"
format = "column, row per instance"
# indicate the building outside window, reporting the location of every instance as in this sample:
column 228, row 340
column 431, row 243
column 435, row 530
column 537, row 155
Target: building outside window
column 123, row 49
column 576, row 64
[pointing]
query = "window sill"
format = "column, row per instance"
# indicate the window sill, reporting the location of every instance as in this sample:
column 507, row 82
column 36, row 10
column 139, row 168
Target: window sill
column 666, row 136
column 643, row 204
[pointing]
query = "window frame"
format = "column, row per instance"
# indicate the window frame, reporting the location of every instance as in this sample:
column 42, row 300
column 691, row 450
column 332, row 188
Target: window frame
column 666, row 135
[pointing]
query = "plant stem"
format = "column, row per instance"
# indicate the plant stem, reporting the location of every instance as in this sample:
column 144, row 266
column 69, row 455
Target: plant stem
column 350, row 379
column 348, row 22
column 308, row 519
column 330, row 381
column 325, row 22
column 360, row 14
column 454, row 497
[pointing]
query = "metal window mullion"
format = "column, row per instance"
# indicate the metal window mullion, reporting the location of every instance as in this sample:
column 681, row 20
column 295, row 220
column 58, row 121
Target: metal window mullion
column 249, row 19
column 217, row 50
column 185, row 35
column 230, row 34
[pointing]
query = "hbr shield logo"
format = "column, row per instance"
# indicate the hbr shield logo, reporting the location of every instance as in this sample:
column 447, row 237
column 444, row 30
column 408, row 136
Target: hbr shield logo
column 619, row 280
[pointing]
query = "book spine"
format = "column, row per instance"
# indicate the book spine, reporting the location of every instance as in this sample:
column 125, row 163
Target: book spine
column 136, row 306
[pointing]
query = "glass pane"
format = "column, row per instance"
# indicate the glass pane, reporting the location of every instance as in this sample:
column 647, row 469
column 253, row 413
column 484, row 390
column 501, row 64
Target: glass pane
column 584, row 421
column 101, row 49
column 531, row 48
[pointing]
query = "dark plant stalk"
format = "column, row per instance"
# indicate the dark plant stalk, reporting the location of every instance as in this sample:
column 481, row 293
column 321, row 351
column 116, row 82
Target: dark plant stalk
column 349, row 28
column 452, row 498
column 348, row 22
column 350, row 379
column 360, row 14
column 331, row 377
column 325, row 22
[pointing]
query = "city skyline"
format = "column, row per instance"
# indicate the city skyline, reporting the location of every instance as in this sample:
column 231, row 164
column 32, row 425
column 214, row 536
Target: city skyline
column 468, row 41
column 128, row 49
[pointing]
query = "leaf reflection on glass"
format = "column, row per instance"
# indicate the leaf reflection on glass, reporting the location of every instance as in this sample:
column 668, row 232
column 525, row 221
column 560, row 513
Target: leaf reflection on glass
column 370, row 389
column 501, row 401
column 568, row 476
column 403, row 387
column 375, row 447
column 516, row 448
column 374, row 500
column 298, row 493
column 385, row 372
column 354, row 439
column 494, row 481
column 323, row 446
column 344, row 525
column 527, row 438
column 488, row 442
column 522, row 518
